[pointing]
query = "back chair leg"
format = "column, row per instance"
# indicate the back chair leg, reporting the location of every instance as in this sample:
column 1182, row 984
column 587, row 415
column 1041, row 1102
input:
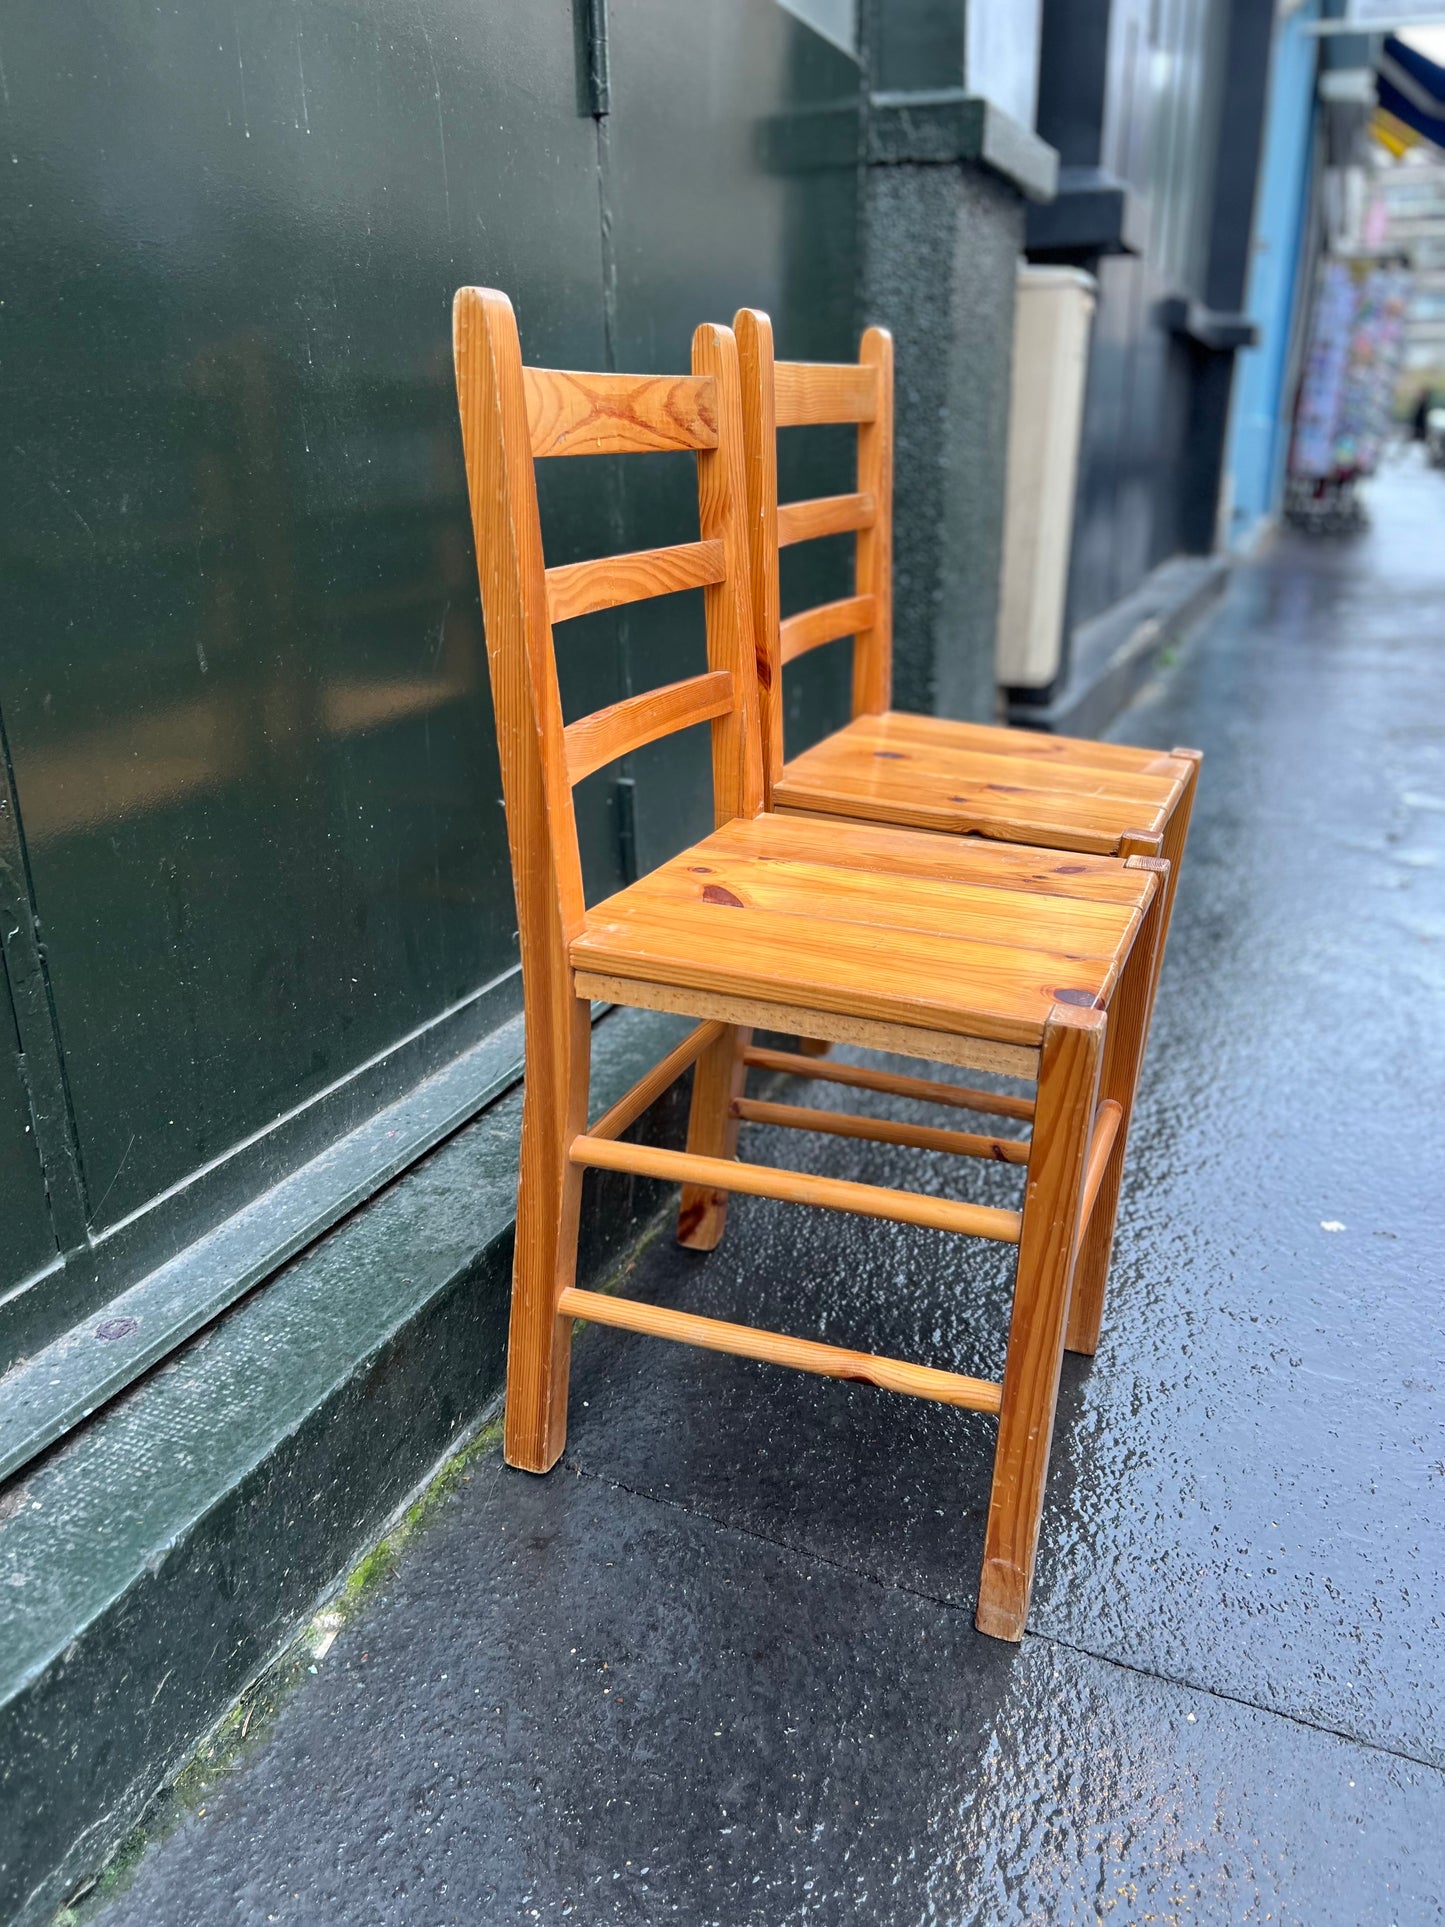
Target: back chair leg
column 1119, row 1080
column 712, row 1132
column 1063, row 1122
column 539, row 1348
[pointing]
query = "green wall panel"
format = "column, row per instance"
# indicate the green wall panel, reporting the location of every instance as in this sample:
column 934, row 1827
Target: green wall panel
column 241, row 659
column 27, row 1241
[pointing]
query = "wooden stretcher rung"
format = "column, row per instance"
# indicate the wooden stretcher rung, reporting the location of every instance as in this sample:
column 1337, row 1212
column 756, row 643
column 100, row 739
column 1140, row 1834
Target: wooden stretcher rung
column 798, row 1187
column 647, row 1090
column 863, row 1078
column 916, row 1137
column 1107, row 1120
column 774, row 1348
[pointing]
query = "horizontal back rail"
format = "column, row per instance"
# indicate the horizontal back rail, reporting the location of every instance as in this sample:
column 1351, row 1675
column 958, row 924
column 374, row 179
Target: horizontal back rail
column 608, row 581
column 826, row 623
column 824, row 515
column 810, row 393
column 582, row 414
column 609, row 733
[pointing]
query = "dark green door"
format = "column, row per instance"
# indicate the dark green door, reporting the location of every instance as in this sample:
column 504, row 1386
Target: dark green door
column 27, row 1241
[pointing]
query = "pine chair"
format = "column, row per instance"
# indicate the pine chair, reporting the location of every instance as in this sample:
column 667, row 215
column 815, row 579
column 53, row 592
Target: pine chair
column 963, row 953
column 885, row 766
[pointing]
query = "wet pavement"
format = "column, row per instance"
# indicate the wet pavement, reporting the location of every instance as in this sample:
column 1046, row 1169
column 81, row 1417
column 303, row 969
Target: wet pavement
column 720, row 1666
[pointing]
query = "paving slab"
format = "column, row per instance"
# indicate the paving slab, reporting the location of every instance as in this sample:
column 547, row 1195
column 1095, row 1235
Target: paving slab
column 579, row 1704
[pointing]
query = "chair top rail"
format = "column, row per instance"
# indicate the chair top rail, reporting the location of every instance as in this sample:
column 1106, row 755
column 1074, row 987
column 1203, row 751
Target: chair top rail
column 811, row 393
column 570, row 413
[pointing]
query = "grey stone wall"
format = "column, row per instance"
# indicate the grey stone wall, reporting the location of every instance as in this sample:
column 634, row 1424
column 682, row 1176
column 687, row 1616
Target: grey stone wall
column 942, row 242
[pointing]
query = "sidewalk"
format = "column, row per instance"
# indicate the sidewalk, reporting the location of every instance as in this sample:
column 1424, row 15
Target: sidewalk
column 720, row 1666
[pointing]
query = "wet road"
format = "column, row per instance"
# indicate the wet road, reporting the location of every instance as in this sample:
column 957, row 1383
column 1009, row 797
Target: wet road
column 722, row 1668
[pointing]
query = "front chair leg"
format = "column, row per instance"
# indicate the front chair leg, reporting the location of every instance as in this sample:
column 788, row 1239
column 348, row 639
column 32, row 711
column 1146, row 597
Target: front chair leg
column 539, row 1346
column 712, row 1131
column 1063, row 1120
column 1129, row 1015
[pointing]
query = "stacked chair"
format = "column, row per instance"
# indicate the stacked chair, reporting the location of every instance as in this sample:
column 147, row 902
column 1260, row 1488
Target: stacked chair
column 952, row 938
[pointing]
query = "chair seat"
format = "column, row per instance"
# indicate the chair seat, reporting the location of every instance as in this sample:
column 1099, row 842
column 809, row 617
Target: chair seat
column 1016, row 785
column 891, row 925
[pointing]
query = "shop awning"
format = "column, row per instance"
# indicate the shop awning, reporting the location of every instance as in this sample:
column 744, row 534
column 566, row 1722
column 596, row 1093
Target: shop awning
column 1412, row 89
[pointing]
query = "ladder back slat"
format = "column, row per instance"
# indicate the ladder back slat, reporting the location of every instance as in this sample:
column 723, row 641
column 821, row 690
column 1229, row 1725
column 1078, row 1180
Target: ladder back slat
column 824, row 515
column 826, row 623
column 612, row 732
column 582, row 414
column 807, row 393
column 579, row 588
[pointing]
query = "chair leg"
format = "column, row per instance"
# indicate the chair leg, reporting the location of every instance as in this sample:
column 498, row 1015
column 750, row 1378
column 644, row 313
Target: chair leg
column 1067, row 1094
column 539, row 1348
column 1129, row 1015
column 813, row 1046
column 712, row 1131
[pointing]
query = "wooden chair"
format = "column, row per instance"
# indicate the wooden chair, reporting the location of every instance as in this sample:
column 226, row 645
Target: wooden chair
column 923, row 772
column 965, row 953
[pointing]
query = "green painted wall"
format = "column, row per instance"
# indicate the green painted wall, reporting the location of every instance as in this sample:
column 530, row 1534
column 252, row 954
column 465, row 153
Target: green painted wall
column 242, row 677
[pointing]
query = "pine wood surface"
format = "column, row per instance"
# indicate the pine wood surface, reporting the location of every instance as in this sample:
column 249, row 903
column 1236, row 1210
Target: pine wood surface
column 963, row 950
column 865, row 1077
column 898, row 1040
column 824, row 515
column 927, row 773
column 809, row 392
column 800, row 1187
column 1053, row 1205
column 774, row 1348
column 826, row 623
column 582, row 414
column 606, row 734
column 578, row 588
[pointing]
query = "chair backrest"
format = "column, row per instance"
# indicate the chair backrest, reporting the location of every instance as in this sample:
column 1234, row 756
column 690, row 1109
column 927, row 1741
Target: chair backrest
column 512, row 417
column 794, row 394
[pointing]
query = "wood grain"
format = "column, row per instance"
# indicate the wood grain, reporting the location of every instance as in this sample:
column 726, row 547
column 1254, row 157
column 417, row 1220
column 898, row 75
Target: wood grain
column 827, row 622
column 1053, row 1201
column 774, row 1348
column 799, row 1187
column 609, row 733
column 664, row 1073
column 864, row 1077
column 545, row 872
column 873, row 557
column 824, row 515
column 582, row 414
column 879, row 1130
column 897, row 1040
column 1119, row 1082
column 809, row 393
column 580, row 588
